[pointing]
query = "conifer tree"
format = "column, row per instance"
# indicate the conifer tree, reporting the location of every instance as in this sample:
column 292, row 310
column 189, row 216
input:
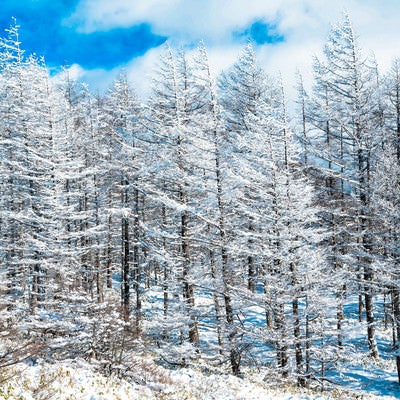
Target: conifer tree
column 342, row 114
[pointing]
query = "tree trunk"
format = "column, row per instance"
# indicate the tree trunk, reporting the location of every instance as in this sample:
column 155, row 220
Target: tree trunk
column 297, row 338
column 217, row 306
column 109, row 254
column 396, row 317
column 369, row 312
column 125, row 270
column 136, row 262
column 281, row 346
column 340, row 315
column 188, row 292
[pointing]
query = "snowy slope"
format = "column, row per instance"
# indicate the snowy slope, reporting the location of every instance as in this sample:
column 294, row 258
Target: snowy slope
column 78, row 380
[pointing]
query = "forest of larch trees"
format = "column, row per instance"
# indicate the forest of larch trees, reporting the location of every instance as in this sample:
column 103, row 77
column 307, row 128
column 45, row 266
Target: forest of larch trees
column 206, row 222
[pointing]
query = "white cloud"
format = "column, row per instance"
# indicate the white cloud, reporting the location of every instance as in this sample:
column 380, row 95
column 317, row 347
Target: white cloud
column 140, row 69
column 97, row 79
column 75, row 72
column 94, row 15
column 304, row 24
column 212, row 19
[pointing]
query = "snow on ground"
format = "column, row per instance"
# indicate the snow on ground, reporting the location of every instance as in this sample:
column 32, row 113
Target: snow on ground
column 78, row 381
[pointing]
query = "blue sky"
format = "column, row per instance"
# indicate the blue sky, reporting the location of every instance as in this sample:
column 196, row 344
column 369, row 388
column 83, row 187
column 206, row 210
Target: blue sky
column 98, row 37
column 45, row 31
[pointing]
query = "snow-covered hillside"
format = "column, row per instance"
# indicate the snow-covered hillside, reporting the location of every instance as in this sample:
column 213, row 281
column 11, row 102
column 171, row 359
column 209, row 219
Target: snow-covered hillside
column 78, row 380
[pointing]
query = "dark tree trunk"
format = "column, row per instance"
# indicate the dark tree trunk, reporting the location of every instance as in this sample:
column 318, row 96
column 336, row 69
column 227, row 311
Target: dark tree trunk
column 396, row 317
column 136, row 262
column 125, row 270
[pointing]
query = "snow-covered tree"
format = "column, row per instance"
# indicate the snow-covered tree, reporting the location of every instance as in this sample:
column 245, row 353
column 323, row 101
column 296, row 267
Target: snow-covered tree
column 344, row 138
